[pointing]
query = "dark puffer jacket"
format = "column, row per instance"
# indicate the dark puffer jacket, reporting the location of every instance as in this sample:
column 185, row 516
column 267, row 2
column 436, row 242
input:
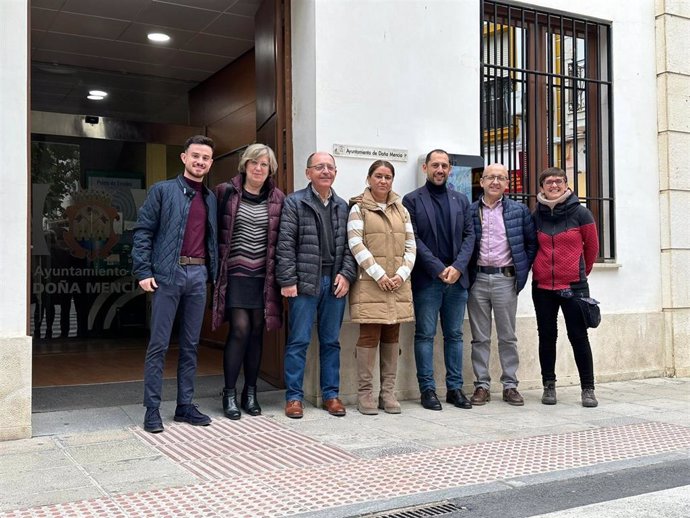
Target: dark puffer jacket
column 568, row 245
column 232, row 192
column 298, row 260
column 522, row 238
column 159, row 231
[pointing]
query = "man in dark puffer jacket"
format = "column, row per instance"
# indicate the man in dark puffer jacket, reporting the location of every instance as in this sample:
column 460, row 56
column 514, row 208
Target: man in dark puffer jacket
column 505, row 246
column 174, row 254
column 314, row 268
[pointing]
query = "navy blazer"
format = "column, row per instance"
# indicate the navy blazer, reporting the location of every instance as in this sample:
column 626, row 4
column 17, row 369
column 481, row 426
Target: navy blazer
column 428, row 266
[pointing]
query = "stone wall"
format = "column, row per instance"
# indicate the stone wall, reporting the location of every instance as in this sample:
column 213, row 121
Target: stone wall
column 673, row 94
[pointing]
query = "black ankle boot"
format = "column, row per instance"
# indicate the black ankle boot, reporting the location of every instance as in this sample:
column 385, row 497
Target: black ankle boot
column 230, row 408
column 249, row 402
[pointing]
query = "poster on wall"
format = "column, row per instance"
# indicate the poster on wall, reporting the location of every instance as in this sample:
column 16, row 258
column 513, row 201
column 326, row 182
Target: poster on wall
column 465, row 171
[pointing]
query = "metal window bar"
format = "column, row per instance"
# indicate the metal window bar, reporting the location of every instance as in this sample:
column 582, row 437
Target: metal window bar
column 562, row 92
column 525, row 124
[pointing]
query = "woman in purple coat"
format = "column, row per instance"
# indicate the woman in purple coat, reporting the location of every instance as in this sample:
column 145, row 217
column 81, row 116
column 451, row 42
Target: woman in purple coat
column 246, row 294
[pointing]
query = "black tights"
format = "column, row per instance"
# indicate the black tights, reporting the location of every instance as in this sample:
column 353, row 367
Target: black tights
column 243, row 346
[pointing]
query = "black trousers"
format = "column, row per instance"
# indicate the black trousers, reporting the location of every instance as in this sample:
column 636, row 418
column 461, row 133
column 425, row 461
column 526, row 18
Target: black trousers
column 546, row 304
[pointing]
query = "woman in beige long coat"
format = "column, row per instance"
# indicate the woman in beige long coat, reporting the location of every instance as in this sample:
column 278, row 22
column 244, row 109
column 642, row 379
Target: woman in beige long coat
column 382, row 241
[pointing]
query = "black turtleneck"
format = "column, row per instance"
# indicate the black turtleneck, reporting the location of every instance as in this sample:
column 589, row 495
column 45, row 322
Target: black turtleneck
column 439, row 197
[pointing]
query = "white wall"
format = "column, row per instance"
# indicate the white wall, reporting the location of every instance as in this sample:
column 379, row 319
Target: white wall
column 385, row 73
column 406, row 75
column 13, row 149
column 303, row 30
column 15, row 345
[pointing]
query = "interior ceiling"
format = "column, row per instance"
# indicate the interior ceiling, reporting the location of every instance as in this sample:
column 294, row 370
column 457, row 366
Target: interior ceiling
column 82, row 45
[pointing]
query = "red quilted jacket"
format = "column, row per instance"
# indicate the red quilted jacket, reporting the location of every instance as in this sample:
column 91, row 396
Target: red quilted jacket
column 568, row 245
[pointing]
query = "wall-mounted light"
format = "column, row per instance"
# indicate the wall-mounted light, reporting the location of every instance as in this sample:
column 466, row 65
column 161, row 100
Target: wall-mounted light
column 158, row 37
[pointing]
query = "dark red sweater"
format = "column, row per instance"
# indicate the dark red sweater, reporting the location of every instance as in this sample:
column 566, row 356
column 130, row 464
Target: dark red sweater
column 194, row 242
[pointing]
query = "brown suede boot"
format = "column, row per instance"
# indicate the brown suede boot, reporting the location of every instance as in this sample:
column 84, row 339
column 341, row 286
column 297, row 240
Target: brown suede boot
column 389, row 371
column 366, row 358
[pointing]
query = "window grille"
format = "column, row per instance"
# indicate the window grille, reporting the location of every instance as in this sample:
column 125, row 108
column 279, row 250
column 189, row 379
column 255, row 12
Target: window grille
column 496, row 101
column 547, row 101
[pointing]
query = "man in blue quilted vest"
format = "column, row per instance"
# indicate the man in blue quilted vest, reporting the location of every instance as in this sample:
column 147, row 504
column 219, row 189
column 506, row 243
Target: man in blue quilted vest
column 175, row 254
column 505, row 246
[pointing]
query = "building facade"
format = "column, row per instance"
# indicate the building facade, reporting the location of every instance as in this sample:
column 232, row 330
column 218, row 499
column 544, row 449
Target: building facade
column 407, row 77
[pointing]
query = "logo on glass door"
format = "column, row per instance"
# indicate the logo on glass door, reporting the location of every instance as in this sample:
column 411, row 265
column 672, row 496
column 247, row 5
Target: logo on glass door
column 90, row 232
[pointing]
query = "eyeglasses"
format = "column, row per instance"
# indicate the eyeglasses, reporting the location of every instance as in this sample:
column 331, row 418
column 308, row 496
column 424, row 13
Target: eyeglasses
column 494, row 178
column 554, row 181
column 321, row 167
column 262, row 165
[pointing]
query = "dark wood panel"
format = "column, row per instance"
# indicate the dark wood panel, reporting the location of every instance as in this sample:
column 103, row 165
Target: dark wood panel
column 234, row 130
column 224, row 169
column 265, row 55
column 268, row 133
column 272, row 359
column 224, row 92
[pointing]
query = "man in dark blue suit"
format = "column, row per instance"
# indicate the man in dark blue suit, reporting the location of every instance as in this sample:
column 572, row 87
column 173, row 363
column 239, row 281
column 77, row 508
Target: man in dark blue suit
column 445, row 241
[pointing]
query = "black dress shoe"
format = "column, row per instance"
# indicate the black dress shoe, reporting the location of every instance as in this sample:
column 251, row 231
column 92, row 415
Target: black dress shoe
column 430, row 400
column 189, row 413
column 152, row 420
column 457, row 398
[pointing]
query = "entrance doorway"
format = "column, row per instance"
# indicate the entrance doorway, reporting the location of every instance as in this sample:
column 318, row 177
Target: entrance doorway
column 94, row 159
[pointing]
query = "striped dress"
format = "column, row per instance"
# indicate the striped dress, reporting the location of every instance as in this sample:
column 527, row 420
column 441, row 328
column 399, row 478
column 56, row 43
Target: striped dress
column 246, row 265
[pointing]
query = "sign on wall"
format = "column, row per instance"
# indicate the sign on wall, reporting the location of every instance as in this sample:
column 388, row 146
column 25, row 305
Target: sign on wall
column 375, row 153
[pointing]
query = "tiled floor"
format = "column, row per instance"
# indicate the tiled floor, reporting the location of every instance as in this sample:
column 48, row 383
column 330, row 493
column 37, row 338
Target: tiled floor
column 71, row 362
column 258, row 467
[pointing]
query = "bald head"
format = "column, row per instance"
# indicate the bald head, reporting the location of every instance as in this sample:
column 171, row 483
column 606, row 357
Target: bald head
column 495, row 169
column 494, row 182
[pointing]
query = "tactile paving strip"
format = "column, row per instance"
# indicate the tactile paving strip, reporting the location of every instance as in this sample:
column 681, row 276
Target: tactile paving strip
column 289, row 489
column 240, row 448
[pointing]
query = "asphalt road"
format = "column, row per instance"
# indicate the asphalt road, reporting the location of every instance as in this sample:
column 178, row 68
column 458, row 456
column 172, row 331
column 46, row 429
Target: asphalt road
column 535, row 500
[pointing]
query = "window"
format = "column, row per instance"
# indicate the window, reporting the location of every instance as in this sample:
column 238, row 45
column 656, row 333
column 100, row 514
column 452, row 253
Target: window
column 547, row 101
column 495, row 102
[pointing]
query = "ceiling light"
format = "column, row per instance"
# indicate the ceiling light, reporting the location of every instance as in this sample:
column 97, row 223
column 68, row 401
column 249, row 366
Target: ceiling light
column 98, row 93
column 158, row 37
column 95, row 97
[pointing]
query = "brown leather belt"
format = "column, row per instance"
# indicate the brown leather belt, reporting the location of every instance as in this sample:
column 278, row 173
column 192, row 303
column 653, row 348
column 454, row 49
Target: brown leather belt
column 508, row 271
column 186, row 261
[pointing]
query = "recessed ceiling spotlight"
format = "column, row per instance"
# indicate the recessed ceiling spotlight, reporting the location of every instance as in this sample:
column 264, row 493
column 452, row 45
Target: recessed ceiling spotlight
column 98, row 93
column 158, row 37
column 95, row 97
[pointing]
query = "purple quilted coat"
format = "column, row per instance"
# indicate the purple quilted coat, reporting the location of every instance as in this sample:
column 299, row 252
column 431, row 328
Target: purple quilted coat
column 273, row 304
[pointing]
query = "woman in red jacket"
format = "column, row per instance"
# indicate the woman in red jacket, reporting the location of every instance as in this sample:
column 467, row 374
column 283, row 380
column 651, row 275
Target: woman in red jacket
column 246, row 294
column 568, row 246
